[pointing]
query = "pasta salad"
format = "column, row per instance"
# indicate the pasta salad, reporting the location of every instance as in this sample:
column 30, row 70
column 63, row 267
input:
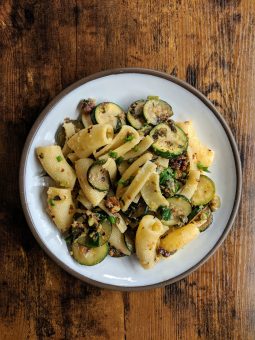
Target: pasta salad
column 128, row 182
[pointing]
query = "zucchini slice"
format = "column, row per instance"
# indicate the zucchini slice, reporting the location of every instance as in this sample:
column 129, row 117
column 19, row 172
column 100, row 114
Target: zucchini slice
column 202, row 214
column 98, row 177
column 135, row 114
column 129, row 238
column 117, row 241
column 89, row 256
column 60, row 136
column 205, row 191
column 168, row 143
column 137, row 211
column 96, row 237
column 109, row 113
column 207, row 223
column 180, row 207
column 156, row 111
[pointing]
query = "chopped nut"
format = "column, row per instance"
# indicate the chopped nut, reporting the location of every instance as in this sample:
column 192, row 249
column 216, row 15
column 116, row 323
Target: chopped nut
column 164, row 252
column 113, row 204
column 179, row 163
column 88, row 105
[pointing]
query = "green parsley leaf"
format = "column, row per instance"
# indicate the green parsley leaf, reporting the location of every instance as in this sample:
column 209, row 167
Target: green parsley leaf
column 112, row 219
column 129, row 137
column 59, row 158
column 200, row 166
column 113, row 154
column 165, row 176
column 126, row 182
column 119, row 160
column 122, row 182
column 165, row 213
column 51, row 202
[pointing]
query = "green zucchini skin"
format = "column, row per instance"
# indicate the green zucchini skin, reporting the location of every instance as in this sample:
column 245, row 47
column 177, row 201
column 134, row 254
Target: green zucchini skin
column 195, row 211
column 156, row 111
column 135, row 114
column 89, row 256
column 205, row 191
column 98, row 177
column 109, row 113
column 60, row 136
column 168, row 143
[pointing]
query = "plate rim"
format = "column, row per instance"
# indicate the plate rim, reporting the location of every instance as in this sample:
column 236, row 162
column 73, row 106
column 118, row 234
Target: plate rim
column 102, row 74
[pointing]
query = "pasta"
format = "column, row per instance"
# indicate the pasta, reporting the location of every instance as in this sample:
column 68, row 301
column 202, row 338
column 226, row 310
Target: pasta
column 147, row 237
column 151, row 193
column 137, row 184
column 131, row 171
column 139, row 149
column 203, row 153
column 141, row 183
column 123, row 166
column 84, row 201
column 178, row 238
column 54, row 163
column 61, row 207
column 88, row 140
column 118, row 145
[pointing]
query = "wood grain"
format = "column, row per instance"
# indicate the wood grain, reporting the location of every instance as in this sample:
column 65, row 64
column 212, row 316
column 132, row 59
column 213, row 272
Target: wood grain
column 47, row 45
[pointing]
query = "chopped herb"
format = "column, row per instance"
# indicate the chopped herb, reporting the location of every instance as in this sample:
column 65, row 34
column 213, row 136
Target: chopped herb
column 200, row 166
column 119, row 160
column 153, row 97
column 113, row 154
column 59, row 158
column 51, row 202
column 135, row 148
column 112, row 219
column 121, row 182
column 100, row 161
column 126, row 182
column 165, row 176
column 129, row 137
column 165, row 213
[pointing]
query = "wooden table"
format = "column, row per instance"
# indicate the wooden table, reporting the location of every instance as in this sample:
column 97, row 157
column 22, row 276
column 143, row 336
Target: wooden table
column 47, row 45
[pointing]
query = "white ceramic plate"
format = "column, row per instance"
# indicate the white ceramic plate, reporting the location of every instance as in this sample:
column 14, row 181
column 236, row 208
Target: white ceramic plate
column 124, row 86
